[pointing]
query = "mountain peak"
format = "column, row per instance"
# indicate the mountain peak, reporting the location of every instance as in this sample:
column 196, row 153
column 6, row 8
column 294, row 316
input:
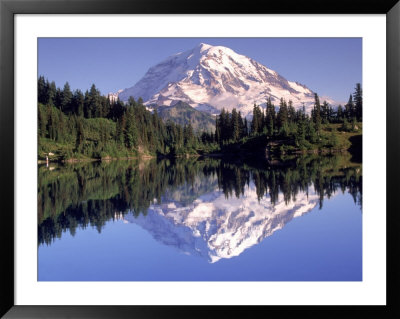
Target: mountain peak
column 210, row 78
column 203, row 46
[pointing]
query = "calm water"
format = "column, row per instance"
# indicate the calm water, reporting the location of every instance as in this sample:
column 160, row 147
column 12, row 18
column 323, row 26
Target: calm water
column 201, row 220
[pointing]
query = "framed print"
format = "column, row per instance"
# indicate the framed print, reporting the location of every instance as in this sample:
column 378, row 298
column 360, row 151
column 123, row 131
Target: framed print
column 168, row 160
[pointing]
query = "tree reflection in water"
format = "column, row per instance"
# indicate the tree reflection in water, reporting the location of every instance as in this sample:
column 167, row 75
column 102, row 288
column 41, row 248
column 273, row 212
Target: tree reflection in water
column 80, row 195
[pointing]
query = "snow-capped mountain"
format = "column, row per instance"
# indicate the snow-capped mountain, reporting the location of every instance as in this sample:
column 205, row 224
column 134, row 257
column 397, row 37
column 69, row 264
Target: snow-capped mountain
column 210, row 78
column 214, row 227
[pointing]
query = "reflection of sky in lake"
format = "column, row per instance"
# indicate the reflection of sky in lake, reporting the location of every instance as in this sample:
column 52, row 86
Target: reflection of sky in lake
column 322, row 245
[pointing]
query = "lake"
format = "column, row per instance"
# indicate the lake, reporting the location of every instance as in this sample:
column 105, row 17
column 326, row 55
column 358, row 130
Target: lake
column 201, row 219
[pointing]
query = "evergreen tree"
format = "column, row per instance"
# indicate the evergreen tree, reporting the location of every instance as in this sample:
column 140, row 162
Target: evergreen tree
column 242, row 132
column 130, row 129
column 235, row 125
column 58, row 99
column 317, row 113
column 282, row 116
column 77, row 103
column 331, row 114
column 301, row 132
column 226, row 125
column 349, row 108
column 339, row 114
column 43, row 90
column 255, row 121
column 270, row 117
column 117, row 108
column 42, row 121
column 52, row 92
column 120, row 128
column 358, row 102
column 221, row 126
column 66, row 97
column 87, row 112
column 291, row 112
column 94, row 102
column 325, row 112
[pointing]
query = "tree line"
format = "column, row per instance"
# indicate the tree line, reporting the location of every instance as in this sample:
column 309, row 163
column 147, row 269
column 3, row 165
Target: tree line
column 285, row 122
column 92, row 125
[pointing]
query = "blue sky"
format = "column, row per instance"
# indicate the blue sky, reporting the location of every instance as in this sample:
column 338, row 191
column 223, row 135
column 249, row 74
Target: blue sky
column 329, row 66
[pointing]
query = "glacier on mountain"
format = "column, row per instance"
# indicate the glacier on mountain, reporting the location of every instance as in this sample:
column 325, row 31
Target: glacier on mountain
column 210, row 78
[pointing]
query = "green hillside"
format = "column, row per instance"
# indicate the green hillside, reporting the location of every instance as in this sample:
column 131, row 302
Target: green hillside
column 182, row 113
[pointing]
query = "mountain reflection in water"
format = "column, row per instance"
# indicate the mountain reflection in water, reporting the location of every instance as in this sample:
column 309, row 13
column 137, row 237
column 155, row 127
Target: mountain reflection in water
column 205, row 207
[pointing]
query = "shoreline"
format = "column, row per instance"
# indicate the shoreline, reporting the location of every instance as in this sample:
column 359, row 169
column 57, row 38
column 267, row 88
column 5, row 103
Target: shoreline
column 219, row 155
column 109, row 158
column 104, row 159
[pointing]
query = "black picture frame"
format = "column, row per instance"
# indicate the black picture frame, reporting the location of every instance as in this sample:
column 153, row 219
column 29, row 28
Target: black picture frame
column 9, row 8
